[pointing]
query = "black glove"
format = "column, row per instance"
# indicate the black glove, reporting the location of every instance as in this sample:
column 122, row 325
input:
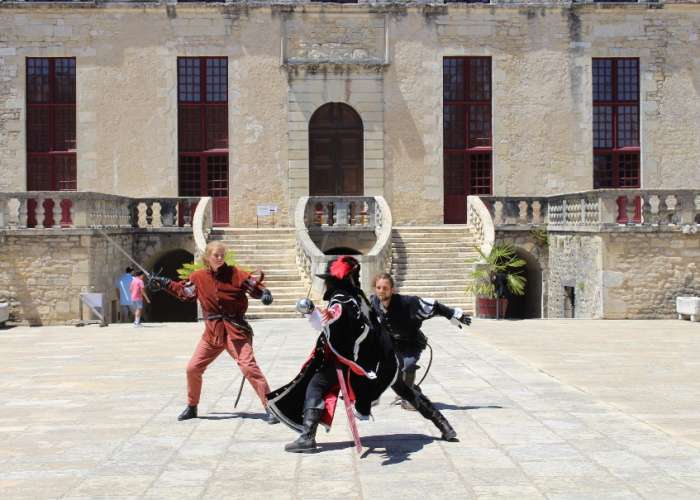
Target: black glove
column 157, row 283
column 460, row 318
column 266, row 297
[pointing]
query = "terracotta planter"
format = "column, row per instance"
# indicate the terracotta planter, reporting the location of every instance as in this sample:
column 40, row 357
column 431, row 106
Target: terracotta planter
column 486, row 308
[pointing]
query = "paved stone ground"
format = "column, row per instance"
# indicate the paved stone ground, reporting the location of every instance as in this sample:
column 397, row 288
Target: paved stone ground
column 544, row 409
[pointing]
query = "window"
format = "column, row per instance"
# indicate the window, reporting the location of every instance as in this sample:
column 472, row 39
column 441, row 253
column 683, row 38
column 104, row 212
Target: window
column 616, row 123
column 51, row 130
column 203, row 130
column 467, row 141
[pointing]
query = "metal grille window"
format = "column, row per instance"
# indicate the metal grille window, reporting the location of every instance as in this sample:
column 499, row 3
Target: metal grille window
column 467, row 124
column 51, row 124
column 203, row 130
column 467, row 143
column 616, row 123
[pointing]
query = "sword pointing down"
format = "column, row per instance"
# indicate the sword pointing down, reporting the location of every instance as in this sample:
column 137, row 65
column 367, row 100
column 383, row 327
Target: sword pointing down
column 240, row 391
column 348, row 410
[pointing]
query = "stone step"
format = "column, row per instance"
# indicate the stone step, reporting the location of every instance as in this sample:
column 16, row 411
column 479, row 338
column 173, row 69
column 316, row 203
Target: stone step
column 429, row 244
column 431, row 262
column 431, row 279
column 252, row 238
column 436, row 287
column 455, row 254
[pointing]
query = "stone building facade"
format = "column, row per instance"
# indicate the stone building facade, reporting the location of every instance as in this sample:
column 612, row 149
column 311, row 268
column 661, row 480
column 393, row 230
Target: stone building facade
column 386, row 63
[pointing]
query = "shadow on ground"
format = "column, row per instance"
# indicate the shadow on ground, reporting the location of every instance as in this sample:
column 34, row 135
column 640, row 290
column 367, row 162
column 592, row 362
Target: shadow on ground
column 221, row 415
column 445, row 406
column 393, row 448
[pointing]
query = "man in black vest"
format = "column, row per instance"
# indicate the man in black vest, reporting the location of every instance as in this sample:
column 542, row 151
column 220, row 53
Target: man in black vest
column 401, row 317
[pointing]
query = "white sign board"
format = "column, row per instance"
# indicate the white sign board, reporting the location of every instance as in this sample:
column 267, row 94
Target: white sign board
column 265, row 210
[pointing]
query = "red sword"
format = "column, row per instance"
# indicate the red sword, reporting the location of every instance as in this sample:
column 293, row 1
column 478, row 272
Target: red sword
column 348, row 409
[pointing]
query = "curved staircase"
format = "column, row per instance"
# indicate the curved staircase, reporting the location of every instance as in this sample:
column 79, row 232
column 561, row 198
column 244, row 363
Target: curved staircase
column 435, row 262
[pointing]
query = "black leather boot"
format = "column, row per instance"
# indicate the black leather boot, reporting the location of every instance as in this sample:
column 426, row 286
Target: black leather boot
column 426, row 408
column 306, row 442
column 188, row 413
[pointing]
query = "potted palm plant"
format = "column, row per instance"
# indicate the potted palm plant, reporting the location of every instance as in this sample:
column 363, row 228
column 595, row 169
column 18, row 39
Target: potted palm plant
column 497, row 272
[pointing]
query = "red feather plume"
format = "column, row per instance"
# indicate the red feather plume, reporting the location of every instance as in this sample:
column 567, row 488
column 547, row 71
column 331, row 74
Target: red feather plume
column 340, row 268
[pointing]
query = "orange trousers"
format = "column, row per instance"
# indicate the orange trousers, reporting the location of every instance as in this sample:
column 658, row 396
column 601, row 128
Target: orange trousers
column 241, row 351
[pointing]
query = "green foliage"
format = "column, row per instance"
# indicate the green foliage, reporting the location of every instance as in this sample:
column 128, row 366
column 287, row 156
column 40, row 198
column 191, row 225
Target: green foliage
column 540, row 235
column 502, row 259
column 184, row 272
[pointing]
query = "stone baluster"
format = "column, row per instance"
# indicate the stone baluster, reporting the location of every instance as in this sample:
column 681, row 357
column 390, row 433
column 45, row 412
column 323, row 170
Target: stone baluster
column 522, row 211
column 4, row 216
column 66, row 219
column 330, row 211
column 52, row 205
column 671, row 201
column 157, row 210
column 498, row 213
column 536, row 212
column 23, row 213
column 39, row 215
column 622, row 210
column 638, row 203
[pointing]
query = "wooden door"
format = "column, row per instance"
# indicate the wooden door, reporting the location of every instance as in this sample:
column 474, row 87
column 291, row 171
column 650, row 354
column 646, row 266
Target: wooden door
column 336, row 152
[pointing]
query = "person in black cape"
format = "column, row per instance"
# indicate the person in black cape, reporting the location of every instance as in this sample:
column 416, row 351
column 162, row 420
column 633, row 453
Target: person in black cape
column 351, row 340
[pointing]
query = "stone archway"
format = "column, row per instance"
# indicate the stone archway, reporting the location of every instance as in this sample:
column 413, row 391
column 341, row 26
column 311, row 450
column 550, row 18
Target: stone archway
column 530, row 304
column 336, row 151
column 164, row 307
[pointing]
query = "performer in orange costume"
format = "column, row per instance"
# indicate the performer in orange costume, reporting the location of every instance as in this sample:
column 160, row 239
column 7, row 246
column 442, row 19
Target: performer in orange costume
column 221, row 290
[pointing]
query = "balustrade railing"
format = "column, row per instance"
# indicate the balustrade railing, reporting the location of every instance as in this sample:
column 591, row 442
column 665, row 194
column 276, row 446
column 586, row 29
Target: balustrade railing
column 343, row 214
column 62, row 210
column 677, row 209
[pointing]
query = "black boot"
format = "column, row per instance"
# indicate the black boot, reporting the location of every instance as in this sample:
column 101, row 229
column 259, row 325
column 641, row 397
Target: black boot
column 306, row 442
column 188, row 413
column 426, row 408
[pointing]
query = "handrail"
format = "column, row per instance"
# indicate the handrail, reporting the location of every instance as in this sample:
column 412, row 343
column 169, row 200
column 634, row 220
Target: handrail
column 311, row 260
column 479, row 218
column 202, row 223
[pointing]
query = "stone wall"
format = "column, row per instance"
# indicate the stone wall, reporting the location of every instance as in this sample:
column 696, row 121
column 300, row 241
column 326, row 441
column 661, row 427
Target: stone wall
column 644, row 273
column 575, row 260
column 542, row 112
column 43, row 272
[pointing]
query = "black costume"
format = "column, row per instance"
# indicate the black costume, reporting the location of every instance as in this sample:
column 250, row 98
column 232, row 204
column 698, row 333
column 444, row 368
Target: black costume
column 402, row 322
column 351, row 340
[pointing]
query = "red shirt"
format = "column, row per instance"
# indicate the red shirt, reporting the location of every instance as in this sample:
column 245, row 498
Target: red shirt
column 222, row 292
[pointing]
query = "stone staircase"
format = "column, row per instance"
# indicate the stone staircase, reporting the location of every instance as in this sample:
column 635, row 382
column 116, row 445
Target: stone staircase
column 274, row 251
column 434, row 262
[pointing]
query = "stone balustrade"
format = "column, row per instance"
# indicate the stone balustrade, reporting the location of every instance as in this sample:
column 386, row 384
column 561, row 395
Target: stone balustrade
column 341, row 213
column 603, row 209
column 335, row 213
column 64, row 210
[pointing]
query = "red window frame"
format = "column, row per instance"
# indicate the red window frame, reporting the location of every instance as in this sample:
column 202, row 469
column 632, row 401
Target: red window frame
column 203, row 130
column 51, row 124
column 471, row 108
column 616, row 131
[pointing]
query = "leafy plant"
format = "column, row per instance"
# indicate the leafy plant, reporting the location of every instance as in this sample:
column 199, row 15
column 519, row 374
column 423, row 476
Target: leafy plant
column 502, row 263
column 184, row 272
column 540, row 236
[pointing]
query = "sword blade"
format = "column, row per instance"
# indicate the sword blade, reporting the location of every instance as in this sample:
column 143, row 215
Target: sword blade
column 348, row 410
column 124, row 252
column 240, row 391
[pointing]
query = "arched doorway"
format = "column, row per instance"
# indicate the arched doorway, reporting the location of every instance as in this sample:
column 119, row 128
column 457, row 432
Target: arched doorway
column 530, row 304
column 165, row 307
column 336, row 151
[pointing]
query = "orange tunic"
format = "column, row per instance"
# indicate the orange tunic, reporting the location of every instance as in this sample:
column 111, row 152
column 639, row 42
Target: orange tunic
column 223, row 292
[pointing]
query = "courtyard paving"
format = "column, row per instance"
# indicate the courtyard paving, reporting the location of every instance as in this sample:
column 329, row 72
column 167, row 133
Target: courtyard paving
column 544, row 409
